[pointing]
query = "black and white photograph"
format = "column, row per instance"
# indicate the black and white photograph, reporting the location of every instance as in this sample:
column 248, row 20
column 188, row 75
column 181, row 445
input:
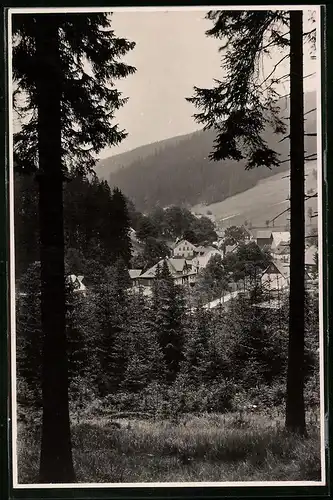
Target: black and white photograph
column 166, row 236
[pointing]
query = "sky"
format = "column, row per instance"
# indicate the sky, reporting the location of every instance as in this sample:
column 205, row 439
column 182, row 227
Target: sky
column 172, row 54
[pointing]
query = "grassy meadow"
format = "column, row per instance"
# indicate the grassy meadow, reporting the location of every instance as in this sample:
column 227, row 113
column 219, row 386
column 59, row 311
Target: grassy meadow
column 212, row 447
column 262, row 202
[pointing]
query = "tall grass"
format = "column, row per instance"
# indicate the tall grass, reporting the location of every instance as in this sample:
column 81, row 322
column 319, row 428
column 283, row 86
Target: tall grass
column 207, row 448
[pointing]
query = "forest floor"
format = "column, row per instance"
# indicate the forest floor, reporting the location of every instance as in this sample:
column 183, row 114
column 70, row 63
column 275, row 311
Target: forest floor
column 211, row 448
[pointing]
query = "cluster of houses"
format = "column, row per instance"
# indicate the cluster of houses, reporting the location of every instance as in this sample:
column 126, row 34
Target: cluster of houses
column 187, row 260
column 184, row 265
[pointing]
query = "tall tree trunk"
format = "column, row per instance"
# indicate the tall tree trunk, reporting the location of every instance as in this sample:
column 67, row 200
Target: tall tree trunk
column 56, row 464
column 295, row 409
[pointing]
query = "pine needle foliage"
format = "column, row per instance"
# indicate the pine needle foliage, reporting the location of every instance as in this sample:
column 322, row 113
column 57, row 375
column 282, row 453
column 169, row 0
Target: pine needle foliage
column 90, row 63
column 241, row 105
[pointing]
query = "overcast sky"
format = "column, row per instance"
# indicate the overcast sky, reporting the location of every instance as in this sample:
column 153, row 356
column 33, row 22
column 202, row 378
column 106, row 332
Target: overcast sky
column 172, row 54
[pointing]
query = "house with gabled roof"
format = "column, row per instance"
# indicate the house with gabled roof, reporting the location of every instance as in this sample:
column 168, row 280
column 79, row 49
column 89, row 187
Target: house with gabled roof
column 76, row 283
column 276, row 277
column 201, row 261
column 184, row 248
column 181, row 270
column 264, row 238
column 134, row 275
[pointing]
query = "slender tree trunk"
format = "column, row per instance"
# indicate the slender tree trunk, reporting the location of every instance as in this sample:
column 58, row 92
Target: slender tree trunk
column 56, row 464
column 295, row 409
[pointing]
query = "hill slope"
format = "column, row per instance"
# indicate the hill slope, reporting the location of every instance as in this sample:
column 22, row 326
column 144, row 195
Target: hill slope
column 178, row 171
column 263, row 202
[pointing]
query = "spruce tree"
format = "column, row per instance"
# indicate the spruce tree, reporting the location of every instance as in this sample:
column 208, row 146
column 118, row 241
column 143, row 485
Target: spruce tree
column 196, row 356
column 78, row 357
column 112, row 340
column 64, row 68
column 168, row 308
column 145, row 359
column 240, row 108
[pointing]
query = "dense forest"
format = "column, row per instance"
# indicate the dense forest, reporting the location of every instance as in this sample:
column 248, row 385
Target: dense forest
column 178, row 171
column 128, row 353
column 147, row 347
column 99, row 224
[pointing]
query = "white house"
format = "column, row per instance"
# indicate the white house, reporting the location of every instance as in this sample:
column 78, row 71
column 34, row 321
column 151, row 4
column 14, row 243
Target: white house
column 275, row 278
column 184, row 249
column 180, row 269
column 280, row 237
column 201, row 261
column 76, row 283
column 281, row 252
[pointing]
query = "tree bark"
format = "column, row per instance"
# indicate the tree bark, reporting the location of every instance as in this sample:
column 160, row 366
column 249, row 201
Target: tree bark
column 295, row 408
column 56, row 464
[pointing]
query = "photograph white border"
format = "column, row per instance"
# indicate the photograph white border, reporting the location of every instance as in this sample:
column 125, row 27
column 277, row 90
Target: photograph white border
column 320, row 165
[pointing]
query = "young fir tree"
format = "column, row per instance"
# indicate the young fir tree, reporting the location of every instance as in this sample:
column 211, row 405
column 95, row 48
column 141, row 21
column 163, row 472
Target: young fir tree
column 111, row 344
column 145, row 359
column 167, row 309
column 214, row 278
column 240, row 108
column 196, row 365
column 78, row 355
column 259, row 347
column 80, row 333
column 64, row 68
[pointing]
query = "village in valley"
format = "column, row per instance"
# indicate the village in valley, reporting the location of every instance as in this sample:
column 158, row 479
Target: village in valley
column 187, row 261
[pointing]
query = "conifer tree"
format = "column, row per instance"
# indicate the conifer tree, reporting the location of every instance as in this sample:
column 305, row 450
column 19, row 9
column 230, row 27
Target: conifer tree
column 64, row 68
column 78, row 357
column 145, row 358
column 196, row 356
column 167, row 309
column 240, row 108
column 111, row 310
